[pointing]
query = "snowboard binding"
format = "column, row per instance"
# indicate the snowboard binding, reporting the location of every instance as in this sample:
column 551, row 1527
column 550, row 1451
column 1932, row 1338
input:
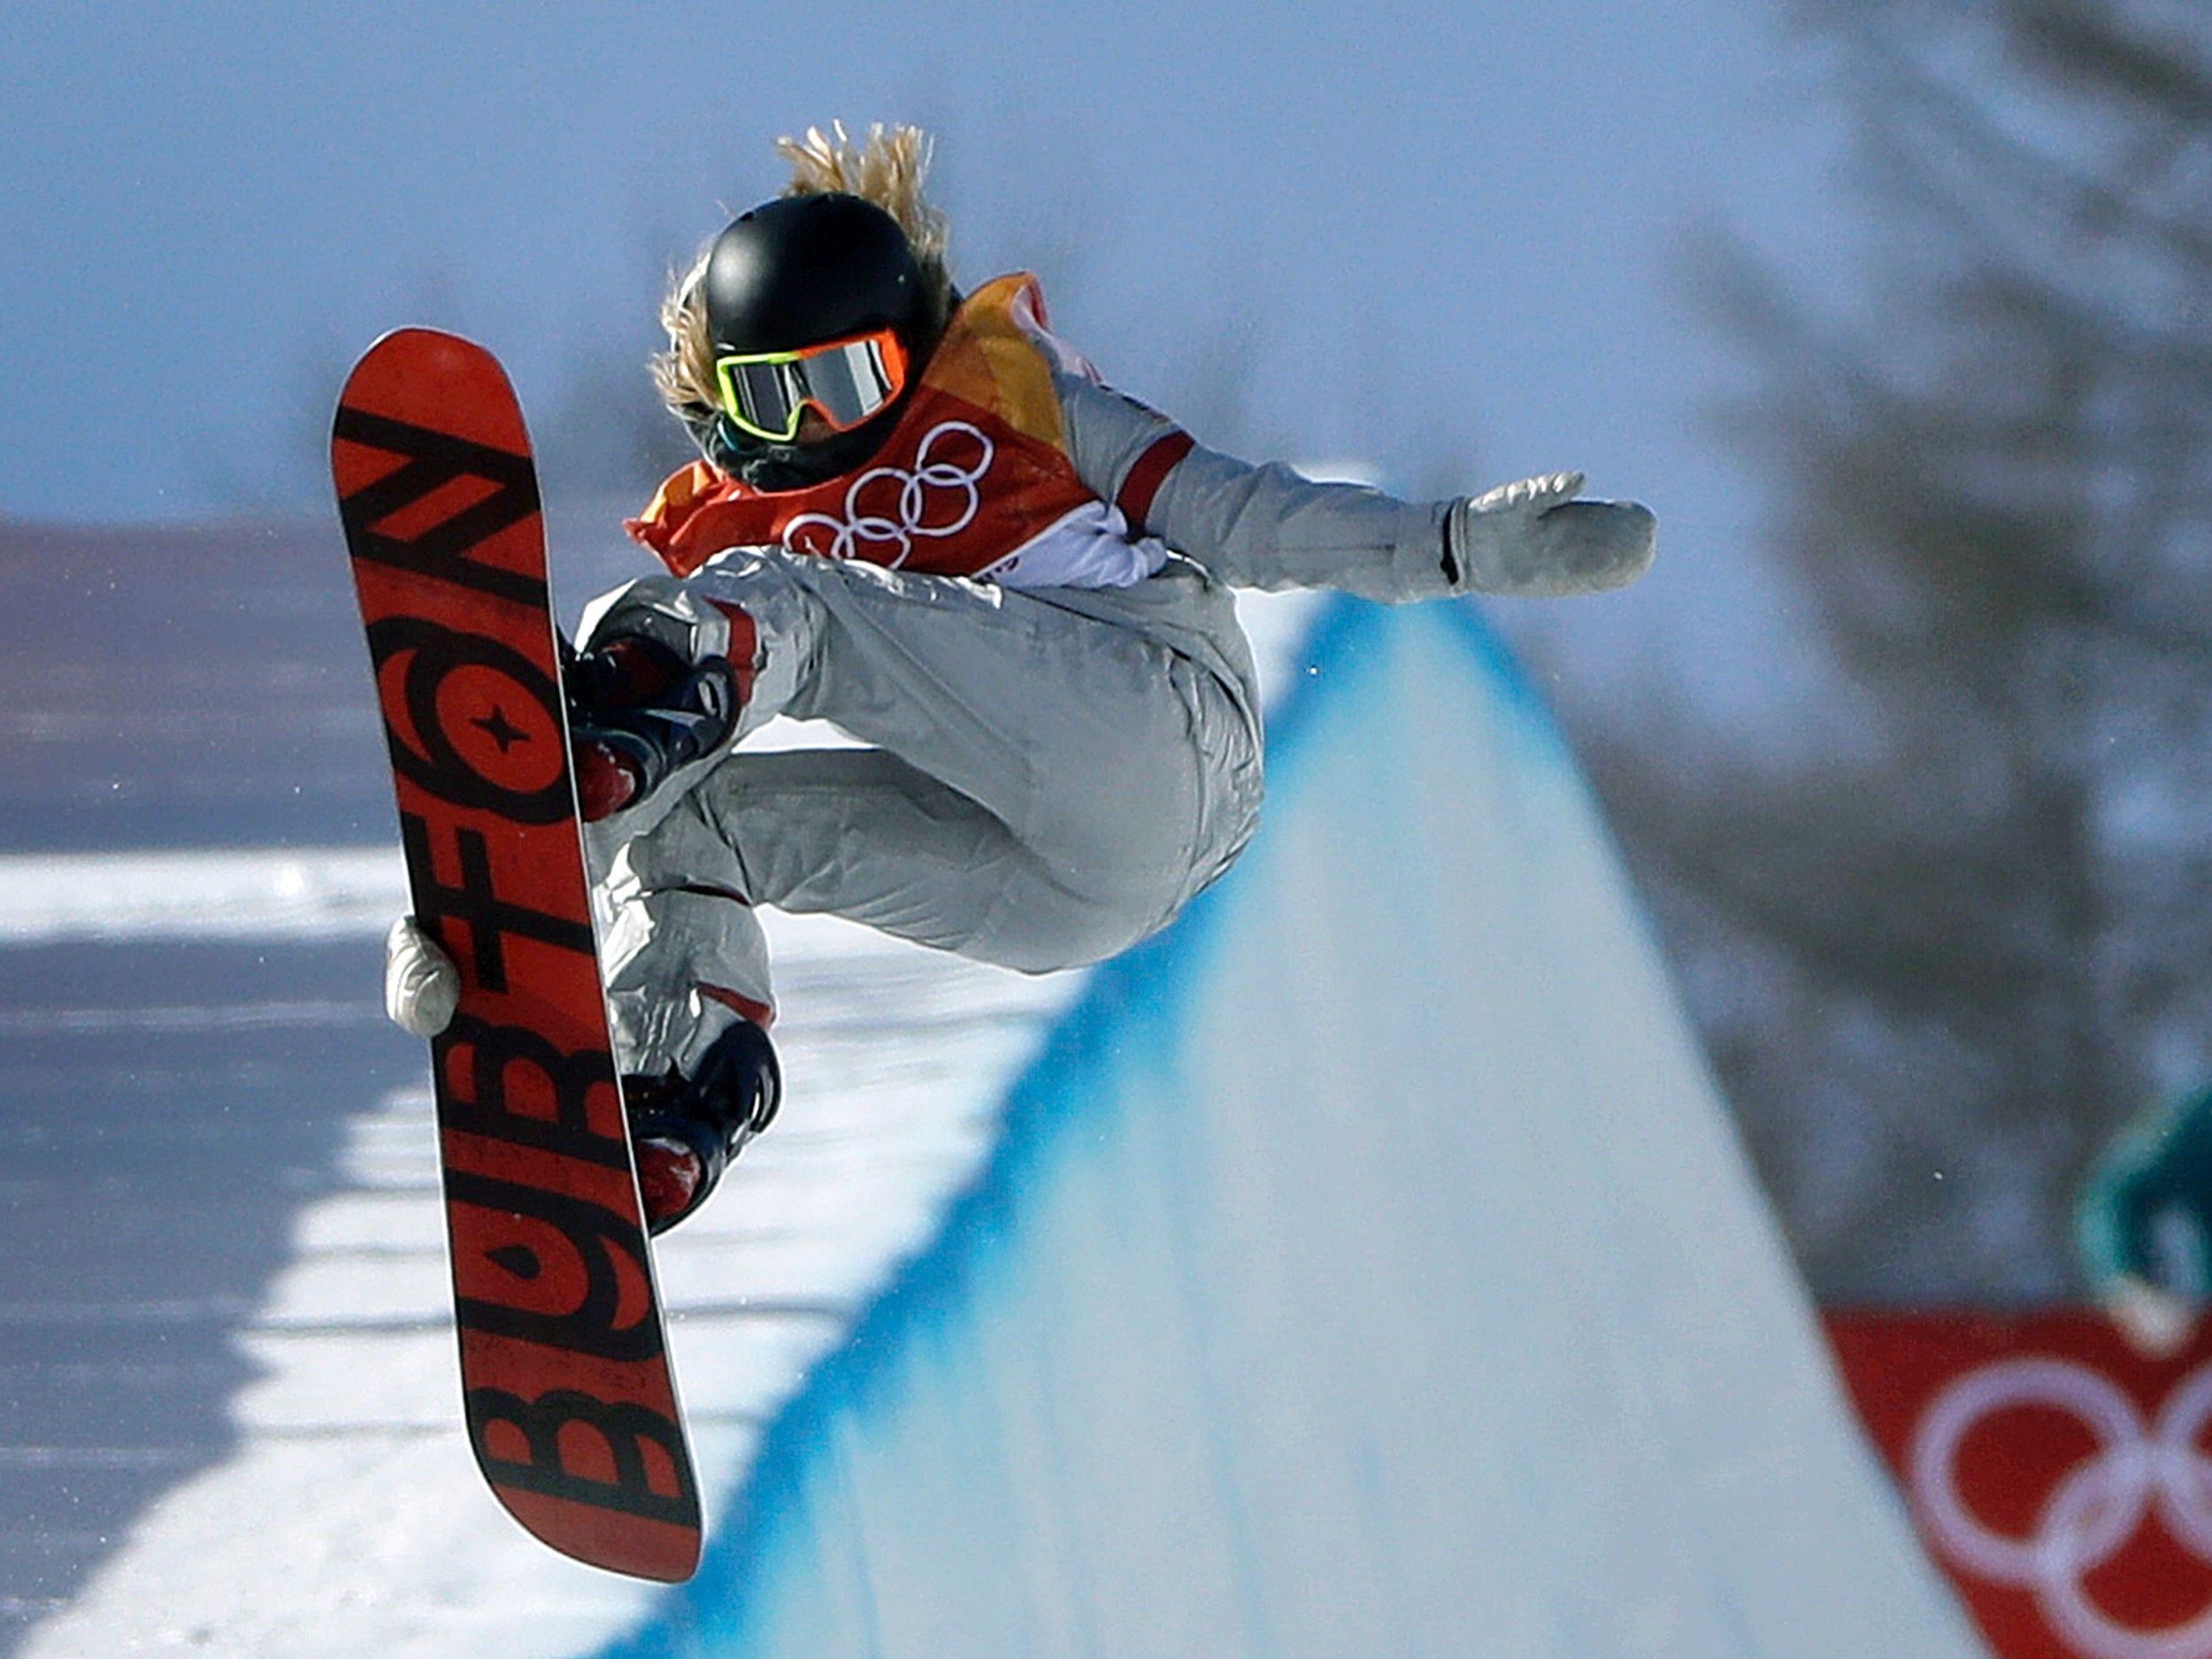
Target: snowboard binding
column 637, row 712
column 688, row 1130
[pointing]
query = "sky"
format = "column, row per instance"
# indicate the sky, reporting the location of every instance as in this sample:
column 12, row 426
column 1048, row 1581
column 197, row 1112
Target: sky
column 1445, row 239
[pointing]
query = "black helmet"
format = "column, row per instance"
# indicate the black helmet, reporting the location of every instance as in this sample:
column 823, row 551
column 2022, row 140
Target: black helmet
column 803, row 269
column 798, row 272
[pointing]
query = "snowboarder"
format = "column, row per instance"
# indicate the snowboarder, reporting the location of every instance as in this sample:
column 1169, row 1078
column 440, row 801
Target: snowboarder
column 920, row 515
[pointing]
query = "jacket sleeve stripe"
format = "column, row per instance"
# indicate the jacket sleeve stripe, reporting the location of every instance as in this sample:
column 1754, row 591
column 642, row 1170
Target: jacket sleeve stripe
column 1150, row 472
column 760, row 1013
column 744, row 647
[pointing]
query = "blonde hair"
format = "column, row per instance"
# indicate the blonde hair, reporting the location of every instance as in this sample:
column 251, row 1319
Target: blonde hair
column 888, row 169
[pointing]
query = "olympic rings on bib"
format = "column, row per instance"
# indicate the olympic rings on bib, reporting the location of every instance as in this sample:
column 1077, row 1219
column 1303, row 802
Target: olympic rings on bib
column 859, row 532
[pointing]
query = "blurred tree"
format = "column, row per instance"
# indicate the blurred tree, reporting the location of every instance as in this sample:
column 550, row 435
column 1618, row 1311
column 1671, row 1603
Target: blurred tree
column 1936, row 966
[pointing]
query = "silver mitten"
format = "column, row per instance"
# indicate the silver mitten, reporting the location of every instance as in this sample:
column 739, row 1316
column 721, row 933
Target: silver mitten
column 1532, row 538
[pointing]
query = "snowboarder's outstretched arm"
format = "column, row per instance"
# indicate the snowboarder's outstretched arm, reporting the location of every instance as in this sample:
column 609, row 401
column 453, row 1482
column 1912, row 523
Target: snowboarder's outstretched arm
column 1269, row 527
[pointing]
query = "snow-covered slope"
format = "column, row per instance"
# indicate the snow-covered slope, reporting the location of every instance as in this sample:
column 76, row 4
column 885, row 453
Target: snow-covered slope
column 1366, row 1267
column 350, row 1518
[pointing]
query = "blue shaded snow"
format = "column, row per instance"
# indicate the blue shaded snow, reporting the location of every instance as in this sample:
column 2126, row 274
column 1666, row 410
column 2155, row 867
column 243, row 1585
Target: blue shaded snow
column 1367, row 1266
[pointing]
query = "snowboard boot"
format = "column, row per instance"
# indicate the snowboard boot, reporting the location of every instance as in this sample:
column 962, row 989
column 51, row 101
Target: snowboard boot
column 636, row 712
column 686, row 1130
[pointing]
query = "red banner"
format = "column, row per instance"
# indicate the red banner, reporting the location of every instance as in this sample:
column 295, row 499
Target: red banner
column 2062, row 1479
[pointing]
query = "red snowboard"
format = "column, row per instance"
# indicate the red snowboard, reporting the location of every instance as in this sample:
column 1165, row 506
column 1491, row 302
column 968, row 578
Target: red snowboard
column 571, row 1406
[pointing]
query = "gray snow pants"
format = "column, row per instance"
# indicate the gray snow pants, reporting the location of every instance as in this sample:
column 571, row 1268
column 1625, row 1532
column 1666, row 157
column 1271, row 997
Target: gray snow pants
column 1042, row 787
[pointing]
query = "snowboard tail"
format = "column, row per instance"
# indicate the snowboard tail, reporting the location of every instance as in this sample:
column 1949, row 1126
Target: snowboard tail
column 569, row 1398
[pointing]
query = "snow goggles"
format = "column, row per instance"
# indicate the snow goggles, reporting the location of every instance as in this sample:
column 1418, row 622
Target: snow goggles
column 846, row 381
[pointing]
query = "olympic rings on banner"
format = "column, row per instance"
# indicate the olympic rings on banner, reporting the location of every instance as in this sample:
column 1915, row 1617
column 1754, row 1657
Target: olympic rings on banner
column 2094, row 1510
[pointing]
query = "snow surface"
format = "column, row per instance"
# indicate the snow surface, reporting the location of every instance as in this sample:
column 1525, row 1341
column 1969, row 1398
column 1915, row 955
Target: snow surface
column 1365, row 1266
column 352, row 1519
